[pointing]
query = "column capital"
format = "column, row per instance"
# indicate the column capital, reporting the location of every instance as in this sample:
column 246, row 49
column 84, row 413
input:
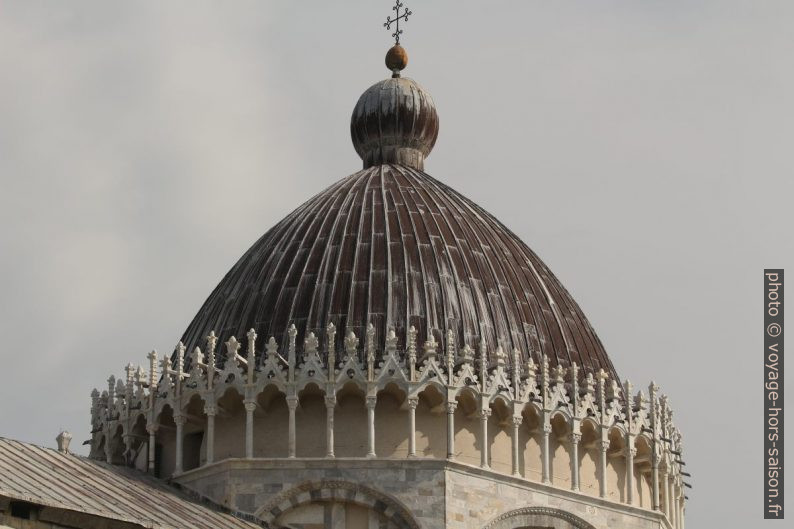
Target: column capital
column 413, row 402
column 210, row 410
column 452, row 406
column 576, row 438
column 180, row 419
column 330, row 401
column 547, row 428
column 517, row 420
column 250, row 406
column 631, row 451
column 372, row 400
column 485, row 413
column 603, row 445
column 292, row 402
column 152, row 428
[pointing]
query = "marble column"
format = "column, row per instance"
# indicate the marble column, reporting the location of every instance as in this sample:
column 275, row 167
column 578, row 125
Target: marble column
column 484, row 414
column 631, row 451
column 109, row 446
column 180, row 421
column 602, row 482
column 210, row 411
column 413, row 402
column 517, row 420
column 128, row 440
column 330, row 404
column 575, row 439
column 250, row 406
column 152, row 429
column 655, row 503
column 371, row 402
column 292, row 404
column 451, row 406
column 544, row 449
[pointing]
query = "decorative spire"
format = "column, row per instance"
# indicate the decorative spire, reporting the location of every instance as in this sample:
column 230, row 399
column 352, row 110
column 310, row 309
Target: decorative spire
column 412, row 352
column 430, row 347
column 450, row 354
column 370, row 352
column 330, row 332
column 292, row 332
column 152, row 371
column 251, row 335
column 391, row 342
column 212, row 342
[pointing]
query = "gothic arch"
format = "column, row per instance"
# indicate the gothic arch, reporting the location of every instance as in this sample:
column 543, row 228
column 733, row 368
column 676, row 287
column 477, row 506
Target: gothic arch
column 538, row 517
column 338, row 491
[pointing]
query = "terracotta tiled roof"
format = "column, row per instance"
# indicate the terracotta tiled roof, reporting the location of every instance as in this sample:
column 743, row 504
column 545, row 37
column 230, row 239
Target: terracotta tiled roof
column 50, row 478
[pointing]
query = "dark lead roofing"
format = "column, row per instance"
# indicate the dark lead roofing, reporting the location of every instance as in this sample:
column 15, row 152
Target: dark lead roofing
column 392, row 246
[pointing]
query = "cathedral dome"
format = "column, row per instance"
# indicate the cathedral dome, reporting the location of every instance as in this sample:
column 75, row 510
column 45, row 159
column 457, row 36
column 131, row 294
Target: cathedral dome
column 393, row 247
column 387, row 336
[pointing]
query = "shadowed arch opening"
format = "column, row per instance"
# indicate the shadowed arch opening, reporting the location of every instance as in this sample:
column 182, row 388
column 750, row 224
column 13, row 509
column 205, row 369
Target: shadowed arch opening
column 230, row 426
column 310, row 420
column 165, row 446
column 467, row 436
column 616, row 465
column 351, row 418
column 560, row 451
column 271, row 419
column 193, row 441
column 499, row 436
column 530, row 440
column 589, row 455
column 431, row 430
column 391, row 423
column 138, row 455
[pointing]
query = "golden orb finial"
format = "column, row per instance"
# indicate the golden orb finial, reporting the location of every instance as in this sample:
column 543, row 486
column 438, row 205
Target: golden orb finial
column 396, row 60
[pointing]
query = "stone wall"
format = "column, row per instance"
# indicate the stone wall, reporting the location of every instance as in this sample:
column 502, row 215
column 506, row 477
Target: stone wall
column 430, row 494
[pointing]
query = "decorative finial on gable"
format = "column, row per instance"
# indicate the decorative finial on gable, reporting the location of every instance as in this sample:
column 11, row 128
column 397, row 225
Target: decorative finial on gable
column 251, row 335
column 450, row 354
column 351, row 345
column 412, row 352
column 370, row 352
column 330, row 332
column 212, row 342
column 292, row 332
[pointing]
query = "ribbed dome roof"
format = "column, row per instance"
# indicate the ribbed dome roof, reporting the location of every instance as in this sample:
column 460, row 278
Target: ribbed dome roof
column 391, row 246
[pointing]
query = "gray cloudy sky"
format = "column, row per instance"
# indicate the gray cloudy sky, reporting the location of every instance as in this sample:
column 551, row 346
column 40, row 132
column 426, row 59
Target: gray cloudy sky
column 642, row 148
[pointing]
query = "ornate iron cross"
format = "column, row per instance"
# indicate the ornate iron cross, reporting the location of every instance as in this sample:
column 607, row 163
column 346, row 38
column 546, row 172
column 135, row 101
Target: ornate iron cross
column 396, row 20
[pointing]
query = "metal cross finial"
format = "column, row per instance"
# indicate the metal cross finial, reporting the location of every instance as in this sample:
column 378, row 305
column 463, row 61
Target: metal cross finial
column 396, row 20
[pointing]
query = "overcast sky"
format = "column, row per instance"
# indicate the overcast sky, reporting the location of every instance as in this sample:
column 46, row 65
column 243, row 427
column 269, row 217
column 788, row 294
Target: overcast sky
column 642, row 148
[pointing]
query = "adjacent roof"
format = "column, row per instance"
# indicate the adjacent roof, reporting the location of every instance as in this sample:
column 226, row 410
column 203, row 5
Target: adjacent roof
column 65, row 481
column 392, row 246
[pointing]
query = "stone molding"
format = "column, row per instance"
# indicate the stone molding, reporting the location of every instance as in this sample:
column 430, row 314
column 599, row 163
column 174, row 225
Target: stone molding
column 340, row 491
column 529, row 516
